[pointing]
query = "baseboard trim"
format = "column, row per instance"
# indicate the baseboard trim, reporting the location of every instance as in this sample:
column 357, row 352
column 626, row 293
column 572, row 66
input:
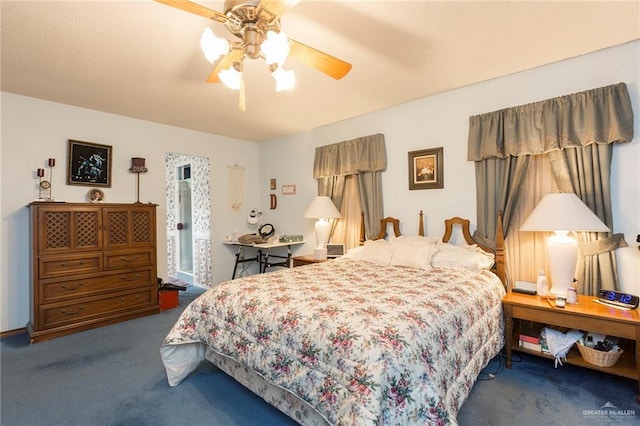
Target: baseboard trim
column 9, row 333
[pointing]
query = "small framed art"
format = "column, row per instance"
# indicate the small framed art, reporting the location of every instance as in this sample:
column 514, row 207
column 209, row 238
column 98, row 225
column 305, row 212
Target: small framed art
column 426, row 169
column 288, row 190
column 89, row 164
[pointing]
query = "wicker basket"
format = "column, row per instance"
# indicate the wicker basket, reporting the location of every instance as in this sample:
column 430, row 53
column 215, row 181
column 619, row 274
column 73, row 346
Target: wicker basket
column 599, row 358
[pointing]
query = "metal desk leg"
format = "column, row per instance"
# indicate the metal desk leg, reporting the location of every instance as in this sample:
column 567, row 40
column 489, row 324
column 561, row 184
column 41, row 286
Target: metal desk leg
column 235, row 266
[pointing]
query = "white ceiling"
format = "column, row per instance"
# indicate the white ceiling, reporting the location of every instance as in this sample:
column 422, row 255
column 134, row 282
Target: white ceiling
column 142, row 59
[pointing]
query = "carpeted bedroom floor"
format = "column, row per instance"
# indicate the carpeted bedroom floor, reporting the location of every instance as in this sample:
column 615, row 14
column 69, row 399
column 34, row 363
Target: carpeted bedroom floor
column 114, row 376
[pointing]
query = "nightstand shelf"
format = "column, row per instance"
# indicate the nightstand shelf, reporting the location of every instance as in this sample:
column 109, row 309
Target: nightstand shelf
column 305, row 260
column 586, row 315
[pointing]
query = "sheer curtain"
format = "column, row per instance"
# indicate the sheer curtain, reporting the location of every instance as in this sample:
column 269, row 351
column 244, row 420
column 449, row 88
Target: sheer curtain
column 571, row 130
column 525, row 252
column 347, row 229
column 364, row 158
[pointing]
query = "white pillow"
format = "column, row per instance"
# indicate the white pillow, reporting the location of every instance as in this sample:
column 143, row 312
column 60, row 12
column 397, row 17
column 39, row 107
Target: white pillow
column 412, row 253
column 470, row 257
column 356, row 253
column 378, row 251
column 419, row 239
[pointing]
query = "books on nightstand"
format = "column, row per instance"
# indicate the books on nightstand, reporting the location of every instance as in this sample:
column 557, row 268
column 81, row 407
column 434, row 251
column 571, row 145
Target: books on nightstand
column 529, row 338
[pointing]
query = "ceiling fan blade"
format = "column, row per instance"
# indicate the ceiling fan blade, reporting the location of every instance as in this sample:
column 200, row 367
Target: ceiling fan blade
column 235, row 55
column 323, row 62
column 274, row 9
column 191, row 7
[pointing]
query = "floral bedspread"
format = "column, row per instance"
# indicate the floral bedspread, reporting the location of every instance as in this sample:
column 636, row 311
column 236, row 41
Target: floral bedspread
column 361, row 343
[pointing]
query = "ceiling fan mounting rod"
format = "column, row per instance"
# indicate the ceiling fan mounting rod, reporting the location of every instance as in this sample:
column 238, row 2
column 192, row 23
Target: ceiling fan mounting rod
column 252, row 38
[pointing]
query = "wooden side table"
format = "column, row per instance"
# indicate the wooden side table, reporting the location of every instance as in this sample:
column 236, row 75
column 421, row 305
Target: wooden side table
column 586, row 315
column 305, row 260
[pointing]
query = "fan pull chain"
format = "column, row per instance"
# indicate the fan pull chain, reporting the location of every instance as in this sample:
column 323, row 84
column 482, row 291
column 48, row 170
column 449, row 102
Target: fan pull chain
column 242, row 104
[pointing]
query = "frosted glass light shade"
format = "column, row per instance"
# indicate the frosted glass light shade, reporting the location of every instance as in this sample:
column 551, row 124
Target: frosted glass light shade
column 561, row 213
column 231, row 78
column 275, row 48
column 213, row 47
column 322, row 208
column 285, row 80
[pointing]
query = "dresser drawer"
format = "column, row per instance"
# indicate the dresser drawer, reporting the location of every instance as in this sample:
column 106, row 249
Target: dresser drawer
column 95, row 308
column 57, row 266
column 128, row 259
column 58, row 290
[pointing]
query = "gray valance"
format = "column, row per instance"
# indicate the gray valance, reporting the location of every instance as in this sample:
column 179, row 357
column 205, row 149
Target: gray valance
column 602, row 115
column 364, row 154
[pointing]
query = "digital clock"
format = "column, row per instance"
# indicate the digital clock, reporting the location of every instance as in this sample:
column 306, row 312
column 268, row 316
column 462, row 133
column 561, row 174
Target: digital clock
column 616, row 298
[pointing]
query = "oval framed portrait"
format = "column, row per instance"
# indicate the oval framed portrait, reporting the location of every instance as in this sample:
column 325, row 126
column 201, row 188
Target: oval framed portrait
column 95, row 195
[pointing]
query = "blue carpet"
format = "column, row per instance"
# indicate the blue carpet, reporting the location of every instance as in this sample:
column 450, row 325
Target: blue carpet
column 114, row 376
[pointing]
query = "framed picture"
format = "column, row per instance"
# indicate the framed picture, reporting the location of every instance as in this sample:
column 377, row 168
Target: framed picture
column 426, row 169
column 288, row 190
column 89, row 164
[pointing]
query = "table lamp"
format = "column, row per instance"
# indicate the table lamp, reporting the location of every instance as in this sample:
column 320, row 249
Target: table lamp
column 561, row 213
column 323, row 209
column 137, row 167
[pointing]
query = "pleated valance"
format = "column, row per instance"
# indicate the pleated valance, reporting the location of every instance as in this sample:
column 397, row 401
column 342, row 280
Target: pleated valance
column 363, row 154
column 601, row 115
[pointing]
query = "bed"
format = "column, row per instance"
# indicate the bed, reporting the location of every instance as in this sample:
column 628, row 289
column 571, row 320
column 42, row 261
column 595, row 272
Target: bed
column 394, row 332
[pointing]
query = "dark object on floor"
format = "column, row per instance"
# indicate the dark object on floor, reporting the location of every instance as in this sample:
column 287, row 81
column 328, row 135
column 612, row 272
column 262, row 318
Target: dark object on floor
column 170, row 286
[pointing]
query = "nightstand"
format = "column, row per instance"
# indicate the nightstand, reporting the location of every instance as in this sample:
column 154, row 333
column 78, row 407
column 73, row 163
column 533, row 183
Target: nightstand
column 586, row 315
column 305, row 260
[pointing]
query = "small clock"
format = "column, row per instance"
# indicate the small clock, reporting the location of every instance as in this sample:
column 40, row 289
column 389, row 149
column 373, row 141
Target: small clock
column 615, row 298
column 45, row 184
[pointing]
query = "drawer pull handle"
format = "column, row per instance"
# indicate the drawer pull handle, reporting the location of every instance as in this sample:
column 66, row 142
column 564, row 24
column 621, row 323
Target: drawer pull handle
column 64, row 311
column 80, row 284
column 64, row 265
column 127, row 260
column 123, row 278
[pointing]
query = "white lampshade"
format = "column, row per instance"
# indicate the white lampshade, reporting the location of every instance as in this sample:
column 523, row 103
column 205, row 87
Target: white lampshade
column 322, row 208
column 561, row 213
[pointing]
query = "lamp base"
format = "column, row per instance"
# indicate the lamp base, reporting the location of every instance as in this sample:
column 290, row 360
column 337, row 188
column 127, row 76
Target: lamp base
column 563, row 256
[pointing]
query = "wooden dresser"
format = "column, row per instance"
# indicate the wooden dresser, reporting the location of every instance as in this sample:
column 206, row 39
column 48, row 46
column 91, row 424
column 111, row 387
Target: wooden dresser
column 92, row 265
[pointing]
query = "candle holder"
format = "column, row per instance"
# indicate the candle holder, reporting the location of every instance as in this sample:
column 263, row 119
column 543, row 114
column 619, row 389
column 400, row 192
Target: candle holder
column 137, row 167
column 52, row 163
column 44, row 184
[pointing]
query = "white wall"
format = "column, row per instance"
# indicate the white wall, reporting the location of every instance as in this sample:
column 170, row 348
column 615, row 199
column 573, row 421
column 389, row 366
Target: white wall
column 34, row 130
column 442, row 120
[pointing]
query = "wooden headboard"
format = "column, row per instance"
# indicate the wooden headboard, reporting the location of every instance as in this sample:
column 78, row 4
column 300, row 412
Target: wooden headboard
column 498, row 267
column 384, row 224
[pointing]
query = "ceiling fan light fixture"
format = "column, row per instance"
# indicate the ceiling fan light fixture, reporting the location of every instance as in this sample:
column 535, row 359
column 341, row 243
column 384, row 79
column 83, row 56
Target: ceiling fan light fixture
column 231, row 77
column 275, row 47
column 285, row 79
column 213, row 47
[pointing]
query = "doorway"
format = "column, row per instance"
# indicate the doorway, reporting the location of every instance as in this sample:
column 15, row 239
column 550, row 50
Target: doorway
column 188, row 220
column 184, row 225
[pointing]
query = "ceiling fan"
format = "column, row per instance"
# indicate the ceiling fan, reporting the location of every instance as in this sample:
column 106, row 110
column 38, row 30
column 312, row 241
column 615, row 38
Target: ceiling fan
column 256, row 25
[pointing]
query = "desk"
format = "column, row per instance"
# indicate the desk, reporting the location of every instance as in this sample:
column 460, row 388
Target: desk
column 263, row 255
